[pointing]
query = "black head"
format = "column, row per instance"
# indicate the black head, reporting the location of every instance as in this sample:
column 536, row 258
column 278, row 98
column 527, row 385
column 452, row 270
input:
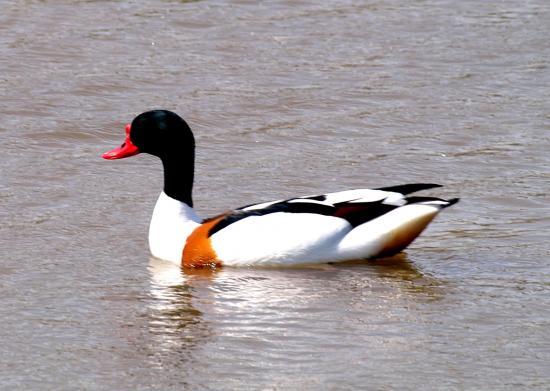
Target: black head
column 158, row 132
column 166, row 135
column 161, row 132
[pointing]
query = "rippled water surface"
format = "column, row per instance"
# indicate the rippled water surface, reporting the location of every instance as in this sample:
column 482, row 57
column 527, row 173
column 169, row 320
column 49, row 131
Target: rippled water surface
column 286, row 98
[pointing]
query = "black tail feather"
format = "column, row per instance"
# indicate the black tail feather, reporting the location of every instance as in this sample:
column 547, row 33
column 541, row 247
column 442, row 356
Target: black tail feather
column 452, row 201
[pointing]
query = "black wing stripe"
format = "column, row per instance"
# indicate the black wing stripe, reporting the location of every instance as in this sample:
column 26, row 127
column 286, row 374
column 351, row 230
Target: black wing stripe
column 409, row 188
column 321, row 197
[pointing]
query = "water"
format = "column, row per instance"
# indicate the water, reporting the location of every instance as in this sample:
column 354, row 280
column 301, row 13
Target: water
column 285, row 98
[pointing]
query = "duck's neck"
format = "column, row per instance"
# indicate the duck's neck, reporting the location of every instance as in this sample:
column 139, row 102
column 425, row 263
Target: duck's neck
column 178, row 176
column 171, row 224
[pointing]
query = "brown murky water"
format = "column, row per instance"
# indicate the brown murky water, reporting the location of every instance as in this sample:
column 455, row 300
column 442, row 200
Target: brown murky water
column 285, row 98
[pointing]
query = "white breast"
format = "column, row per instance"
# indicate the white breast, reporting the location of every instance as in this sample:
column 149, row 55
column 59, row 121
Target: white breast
column 171, row 224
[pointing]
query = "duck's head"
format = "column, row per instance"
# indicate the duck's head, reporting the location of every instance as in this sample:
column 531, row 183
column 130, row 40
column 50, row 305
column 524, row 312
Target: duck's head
column 158, row 132
column 166, row 135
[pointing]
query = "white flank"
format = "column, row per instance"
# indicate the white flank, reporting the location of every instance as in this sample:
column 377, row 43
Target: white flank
column 280, row 239
column 171, row 224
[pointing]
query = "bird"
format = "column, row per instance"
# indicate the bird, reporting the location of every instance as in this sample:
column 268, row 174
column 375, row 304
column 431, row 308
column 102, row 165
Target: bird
column 342, row 226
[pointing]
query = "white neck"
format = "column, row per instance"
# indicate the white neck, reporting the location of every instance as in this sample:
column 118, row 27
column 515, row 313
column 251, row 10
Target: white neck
column 171, row 224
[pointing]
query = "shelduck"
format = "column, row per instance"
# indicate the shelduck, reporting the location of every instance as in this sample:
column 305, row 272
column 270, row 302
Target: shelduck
column 333, row 227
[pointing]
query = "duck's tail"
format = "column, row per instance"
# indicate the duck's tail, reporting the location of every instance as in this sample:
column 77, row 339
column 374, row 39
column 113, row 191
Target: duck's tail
column 394, row 231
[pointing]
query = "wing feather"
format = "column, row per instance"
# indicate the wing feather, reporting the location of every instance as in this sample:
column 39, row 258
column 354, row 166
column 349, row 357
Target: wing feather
column 355, row 206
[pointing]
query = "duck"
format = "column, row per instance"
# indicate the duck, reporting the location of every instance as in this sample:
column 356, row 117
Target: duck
column 348, row 225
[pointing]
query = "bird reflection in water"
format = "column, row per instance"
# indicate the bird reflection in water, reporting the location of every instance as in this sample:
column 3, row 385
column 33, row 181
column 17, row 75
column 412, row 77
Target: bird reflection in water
column 396, row 274
column 196, row 311
column 175, row 323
